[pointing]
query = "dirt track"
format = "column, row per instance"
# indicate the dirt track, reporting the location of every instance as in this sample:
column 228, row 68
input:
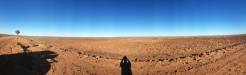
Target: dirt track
column 148, row 56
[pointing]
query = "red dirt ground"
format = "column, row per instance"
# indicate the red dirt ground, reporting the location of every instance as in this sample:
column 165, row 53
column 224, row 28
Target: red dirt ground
column 208, row 55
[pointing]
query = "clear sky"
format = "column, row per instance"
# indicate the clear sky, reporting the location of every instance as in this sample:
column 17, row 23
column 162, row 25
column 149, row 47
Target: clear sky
column 123, row 17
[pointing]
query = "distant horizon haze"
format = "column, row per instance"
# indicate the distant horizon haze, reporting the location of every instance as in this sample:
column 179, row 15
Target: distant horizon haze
column 132, row 35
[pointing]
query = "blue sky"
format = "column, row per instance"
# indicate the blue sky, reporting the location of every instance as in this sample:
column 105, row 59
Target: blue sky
column 123, row 17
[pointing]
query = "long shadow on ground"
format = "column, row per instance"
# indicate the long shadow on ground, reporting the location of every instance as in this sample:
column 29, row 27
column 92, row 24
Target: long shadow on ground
column 31, row 63
column 125, row 65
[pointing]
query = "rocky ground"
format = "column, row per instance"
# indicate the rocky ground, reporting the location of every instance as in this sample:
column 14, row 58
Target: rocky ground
column 213, row 55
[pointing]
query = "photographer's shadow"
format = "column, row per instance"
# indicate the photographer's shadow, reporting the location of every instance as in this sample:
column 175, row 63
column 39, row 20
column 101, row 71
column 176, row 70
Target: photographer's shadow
column 125, row 65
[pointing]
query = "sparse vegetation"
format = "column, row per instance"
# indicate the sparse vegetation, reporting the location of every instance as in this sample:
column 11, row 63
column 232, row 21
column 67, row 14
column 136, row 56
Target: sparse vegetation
column 153, row 56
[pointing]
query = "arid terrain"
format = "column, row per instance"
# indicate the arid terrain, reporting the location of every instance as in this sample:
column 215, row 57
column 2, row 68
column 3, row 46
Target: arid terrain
column 204, row 55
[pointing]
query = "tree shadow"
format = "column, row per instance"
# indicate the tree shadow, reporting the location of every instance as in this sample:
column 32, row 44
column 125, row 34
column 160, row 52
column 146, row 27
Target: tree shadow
column 31, row 63
column 125, row 65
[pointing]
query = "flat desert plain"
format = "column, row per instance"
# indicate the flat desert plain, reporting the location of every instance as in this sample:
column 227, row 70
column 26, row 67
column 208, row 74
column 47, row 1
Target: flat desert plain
column 198, row 55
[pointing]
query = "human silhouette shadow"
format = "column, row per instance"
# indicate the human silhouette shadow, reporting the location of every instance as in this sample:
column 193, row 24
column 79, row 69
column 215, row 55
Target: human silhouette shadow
column 125, row 65
column 31, row 63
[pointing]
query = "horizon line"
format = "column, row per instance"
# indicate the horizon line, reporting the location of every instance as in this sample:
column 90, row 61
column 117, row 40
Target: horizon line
column 201, row 35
